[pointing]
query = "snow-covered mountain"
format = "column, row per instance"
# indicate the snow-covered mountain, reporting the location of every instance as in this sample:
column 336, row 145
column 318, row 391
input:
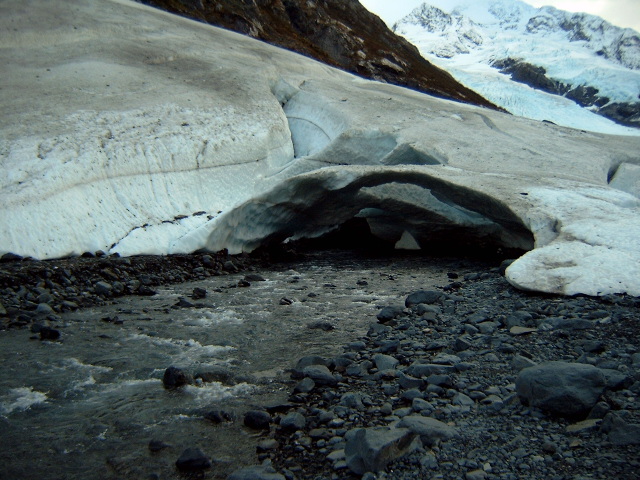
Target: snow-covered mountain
column 573, row 69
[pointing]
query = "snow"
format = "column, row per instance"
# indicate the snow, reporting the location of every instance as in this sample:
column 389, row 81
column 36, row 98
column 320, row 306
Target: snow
column 480, row 32
column 143, row 138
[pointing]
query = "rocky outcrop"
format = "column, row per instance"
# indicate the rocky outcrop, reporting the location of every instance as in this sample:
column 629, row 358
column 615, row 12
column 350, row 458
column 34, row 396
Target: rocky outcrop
column 340, row 33
column 624, row 113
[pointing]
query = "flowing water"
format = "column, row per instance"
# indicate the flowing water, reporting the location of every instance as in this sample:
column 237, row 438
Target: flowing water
column 87, row 406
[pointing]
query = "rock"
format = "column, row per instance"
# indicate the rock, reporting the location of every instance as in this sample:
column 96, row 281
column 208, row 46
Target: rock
column 385, row 362
column 590, row 424
column 431, row 431
column 229, row 266
column 320, row 374
column 518, row 362
column 10, row 257
column 620, row 432
column 48, row 333
column 3, row 312
column 561, row 388
column 423, row 296
column 217, row 374
column 157, row 445
column 407, row 381
column 372, row 449
column 517, row 330
column 616, row 380
column 103, row 288
column 219, row 416
column 198, row 293
column 193, row 460
column 293, row 421
column 257, row 420
column 475, row 475
column 44, row 309
column 258, row 472
column 183, row 303
column 254, row 277
column 389, row 313
column 305, row 385
column 175, row 377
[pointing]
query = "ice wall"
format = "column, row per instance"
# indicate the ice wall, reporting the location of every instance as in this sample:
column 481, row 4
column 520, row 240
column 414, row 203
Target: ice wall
column 145, row 133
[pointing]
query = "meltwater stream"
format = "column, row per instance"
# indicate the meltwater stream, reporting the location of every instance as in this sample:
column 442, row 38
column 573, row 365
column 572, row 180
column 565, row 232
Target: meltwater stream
column 87, row 406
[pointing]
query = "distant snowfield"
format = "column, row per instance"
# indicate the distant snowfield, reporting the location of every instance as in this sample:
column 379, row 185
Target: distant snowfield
column 483, row 31
column 132, row 131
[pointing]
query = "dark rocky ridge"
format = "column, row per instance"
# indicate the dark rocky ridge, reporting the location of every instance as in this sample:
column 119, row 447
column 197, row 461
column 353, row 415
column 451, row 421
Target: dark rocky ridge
column 586, row 96
column 340, row 33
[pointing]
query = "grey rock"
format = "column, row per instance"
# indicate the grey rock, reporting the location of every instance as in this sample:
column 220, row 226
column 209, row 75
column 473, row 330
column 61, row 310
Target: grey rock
column 568, row 323
column 561, row 388
column 258, row 472
column 518, row 362
column 615, row 379
column 320, row 374
column 431, row 431
column 3, row 311
column 257, row 420
column 446, row 359
column 407, row 381
column 462, row 343
column 352, row 400
column 102, row 288
column 599, row 410
column 462, row 400
column 389, row 313
column 372, row 449
column 476, row 475
column 304, row 386
column 385, row 362
column 293, row 421
column 193, row 460
column 420, row 370
column 44, row 309
column 423, row 296
column 620, row 432
column 175, row 377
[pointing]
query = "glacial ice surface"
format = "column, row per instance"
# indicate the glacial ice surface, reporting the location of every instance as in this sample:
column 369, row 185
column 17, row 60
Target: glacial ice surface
column 176, row 137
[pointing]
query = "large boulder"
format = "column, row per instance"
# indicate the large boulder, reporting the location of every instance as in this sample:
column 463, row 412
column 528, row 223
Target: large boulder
column 372, row 449
column 431, row 430
column 561, row 388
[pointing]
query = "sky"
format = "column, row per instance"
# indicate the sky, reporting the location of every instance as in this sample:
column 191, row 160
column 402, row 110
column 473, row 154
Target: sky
column 623, row 13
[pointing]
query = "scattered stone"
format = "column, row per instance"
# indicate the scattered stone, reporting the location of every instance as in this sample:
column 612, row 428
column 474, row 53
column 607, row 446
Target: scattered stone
column 305, row 385
column 431, row 431
column 257, row 420
column 48, row 333
column 517, row 330
column 320, row 374
column 561, row 388
column 175, row 377
column 198, row 293
column 103, row 288
column 254, row 277
column 519, row 362
column 619, row 431
column 389, row 313
column 423, row 296
column 286, row 301
column 193, row 460
column 157, row 445
column 293, row 421
column 372, row 449
column 258, row 472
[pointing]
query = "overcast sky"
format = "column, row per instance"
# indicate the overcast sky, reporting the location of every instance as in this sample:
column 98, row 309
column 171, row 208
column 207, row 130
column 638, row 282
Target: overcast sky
column 623, row 13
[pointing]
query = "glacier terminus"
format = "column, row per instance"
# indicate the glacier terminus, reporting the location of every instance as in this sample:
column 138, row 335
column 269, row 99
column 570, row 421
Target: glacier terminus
column 129, row 130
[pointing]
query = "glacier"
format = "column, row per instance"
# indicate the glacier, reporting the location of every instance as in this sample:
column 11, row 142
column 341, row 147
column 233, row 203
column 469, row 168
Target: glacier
column 577, row 50
column 132, row 131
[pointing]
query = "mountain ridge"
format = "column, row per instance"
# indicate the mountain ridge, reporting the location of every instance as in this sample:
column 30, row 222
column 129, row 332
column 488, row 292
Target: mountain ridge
column 340, row 33
column 578, row 56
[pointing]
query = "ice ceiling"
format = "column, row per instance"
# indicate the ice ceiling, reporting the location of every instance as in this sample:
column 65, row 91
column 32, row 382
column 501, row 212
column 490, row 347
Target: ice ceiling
column 132, row 131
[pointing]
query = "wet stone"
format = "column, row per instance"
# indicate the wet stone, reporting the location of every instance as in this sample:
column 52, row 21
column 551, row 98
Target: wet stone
column 192, row 460
column 257, row 420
